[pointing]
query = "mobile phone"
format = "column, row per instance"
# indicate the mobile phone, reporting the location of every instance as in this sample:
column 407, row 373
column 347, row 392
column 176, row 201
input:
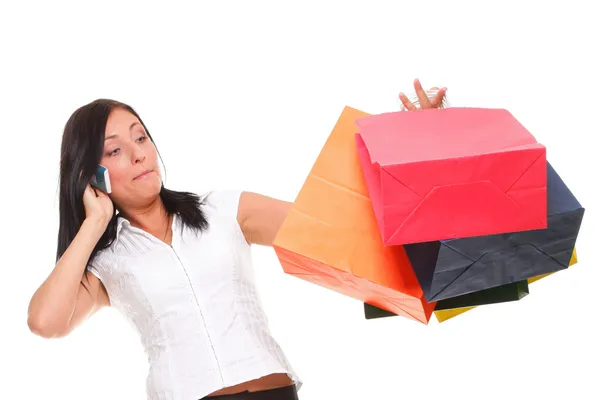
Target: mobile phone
column 101, row 180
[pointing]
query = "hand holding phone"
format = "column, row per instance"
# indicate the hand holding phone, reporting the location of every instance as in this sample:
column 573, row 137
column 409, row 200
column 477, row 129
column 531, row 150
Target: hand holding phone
column 99, row 207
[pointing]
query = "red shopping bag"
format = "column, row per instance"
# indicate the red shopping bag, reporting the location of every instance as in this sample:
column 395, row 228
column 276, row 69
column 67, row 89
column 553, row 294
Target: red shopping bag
column 451, row 173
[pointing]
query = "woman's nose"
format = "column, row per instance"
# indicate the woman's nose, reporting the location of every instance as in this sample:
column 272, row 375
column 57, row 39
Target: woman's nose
column 138, row 156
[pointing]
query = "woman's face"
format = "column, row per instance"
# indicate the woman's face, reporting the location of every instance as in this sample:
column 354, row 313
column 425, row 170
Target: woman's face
column 131, row 160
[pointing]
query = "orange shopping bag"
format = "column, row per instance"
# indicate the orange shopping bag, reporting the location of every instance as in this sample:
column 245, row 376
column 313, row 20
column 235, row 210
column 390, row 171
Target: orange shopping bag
column 331, row 237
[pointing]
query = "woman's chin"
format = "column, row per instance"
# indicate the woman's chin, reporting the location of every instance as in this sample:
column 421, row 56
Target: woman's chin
column 147, row 191
column 150, row 184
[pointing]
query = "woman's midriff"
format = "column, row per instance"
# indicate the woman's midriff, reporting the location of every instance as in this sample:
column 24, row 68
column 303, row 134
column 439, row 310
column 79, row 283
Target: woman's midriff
column 272, row 381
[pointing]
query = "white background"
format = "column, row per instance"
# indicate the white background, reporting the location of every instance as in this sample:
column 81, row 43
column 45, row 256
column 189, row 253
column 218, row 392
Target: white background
column 243, row 95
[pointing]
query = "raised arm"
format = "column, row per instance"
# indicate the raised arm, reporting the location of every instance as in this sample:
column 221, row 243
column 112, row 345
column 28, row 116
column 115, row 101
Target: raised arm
column 62, row 302
column 260, row 217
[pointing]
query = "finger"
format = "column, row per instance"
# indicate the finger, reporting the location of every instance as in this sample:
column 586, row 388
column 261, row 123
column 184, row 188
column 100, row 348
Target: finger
column 423, row 99
column 101, row 193
column 407, row 103
column 436, row 102
column 88, row 191
column 92, row 190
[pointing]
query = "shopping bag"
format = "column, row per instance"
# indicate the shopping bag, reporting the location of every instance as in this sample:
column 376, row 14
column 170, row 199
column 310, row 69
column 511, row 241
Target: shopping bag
column 444, row 315
column 451, row 268
column 500, row 294
column 330, row 236
column 445, row 310
column 439, row 174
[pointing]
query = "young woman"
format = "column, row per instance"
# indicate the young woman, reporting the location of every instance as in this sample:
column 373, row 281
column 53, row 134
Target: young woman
column 176, row 264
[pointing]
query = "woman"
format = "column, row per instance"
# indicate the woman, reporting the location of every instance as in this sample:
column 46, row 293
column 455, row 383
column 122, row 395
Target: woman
column 175, row 264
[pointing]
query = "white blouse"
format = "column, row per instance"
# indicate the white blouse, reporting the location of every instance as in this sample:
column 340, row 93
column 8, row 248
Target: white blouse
column 194, row 304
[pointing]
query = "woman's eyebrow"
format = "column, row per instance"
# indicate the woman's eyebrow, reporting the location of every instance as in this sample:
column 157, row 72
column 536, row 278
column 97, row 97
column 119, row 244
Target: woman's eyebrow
column 115, row 135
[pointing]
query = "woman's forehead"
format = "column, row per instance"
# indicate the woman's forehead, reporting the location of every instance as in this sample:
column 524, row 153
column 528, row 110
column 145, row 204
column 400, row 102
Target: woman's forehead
column 120, row 122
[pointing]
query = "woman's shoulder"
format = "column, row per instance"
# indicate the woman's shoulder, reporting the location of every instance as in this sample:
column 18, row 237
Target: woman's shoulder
column 222, row 201
column 100, row 261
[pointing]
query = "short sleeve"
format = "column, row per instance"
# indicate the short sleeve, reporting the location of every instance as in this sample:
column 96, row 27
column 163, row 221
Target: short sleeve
column 91, row 267
column 96, row 266
column 224, row 202
column 223, row 205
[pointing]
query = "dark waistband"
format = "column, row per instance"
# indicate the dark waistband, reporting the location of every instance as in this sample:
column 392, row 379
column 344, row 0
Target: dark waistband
column 284, row 393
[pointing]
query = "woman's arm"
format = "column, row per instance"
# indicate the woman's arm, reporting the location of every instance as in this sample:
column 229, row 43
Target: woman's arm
column 61, row 302
column 260, row 217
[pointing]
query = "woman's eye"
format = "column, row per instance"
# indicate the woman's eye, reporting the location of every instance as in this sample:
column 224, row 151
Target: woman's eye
column 116, row 151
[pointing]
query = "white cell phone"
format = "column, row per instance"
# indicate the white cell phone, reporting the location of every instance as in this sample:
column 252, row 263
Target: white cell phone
column 101, row 180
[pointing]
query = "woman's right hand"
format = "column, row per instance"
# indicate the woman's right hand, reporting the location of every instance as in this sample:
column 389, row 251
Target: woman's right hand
column 98, row 206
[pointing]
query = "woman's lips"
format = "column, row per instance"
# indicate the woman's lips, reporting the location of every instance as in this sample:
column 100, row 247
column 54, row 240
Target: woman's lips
column 144, row 174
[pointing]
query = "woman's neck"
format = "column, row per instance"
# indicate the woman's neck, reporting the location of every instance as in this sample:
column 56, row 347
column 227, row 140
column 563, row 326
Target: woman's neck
column 153, row 219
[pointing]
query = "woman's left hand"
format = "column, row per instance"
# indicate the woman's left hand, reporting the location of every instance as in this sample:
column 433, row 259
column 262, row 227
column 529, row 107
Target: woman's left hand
column 424, row 100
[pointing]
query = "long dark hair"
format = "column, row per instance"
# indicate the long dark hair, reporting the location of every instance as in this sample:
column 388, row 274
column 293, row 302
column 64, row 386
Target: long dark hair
column 81, row 152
